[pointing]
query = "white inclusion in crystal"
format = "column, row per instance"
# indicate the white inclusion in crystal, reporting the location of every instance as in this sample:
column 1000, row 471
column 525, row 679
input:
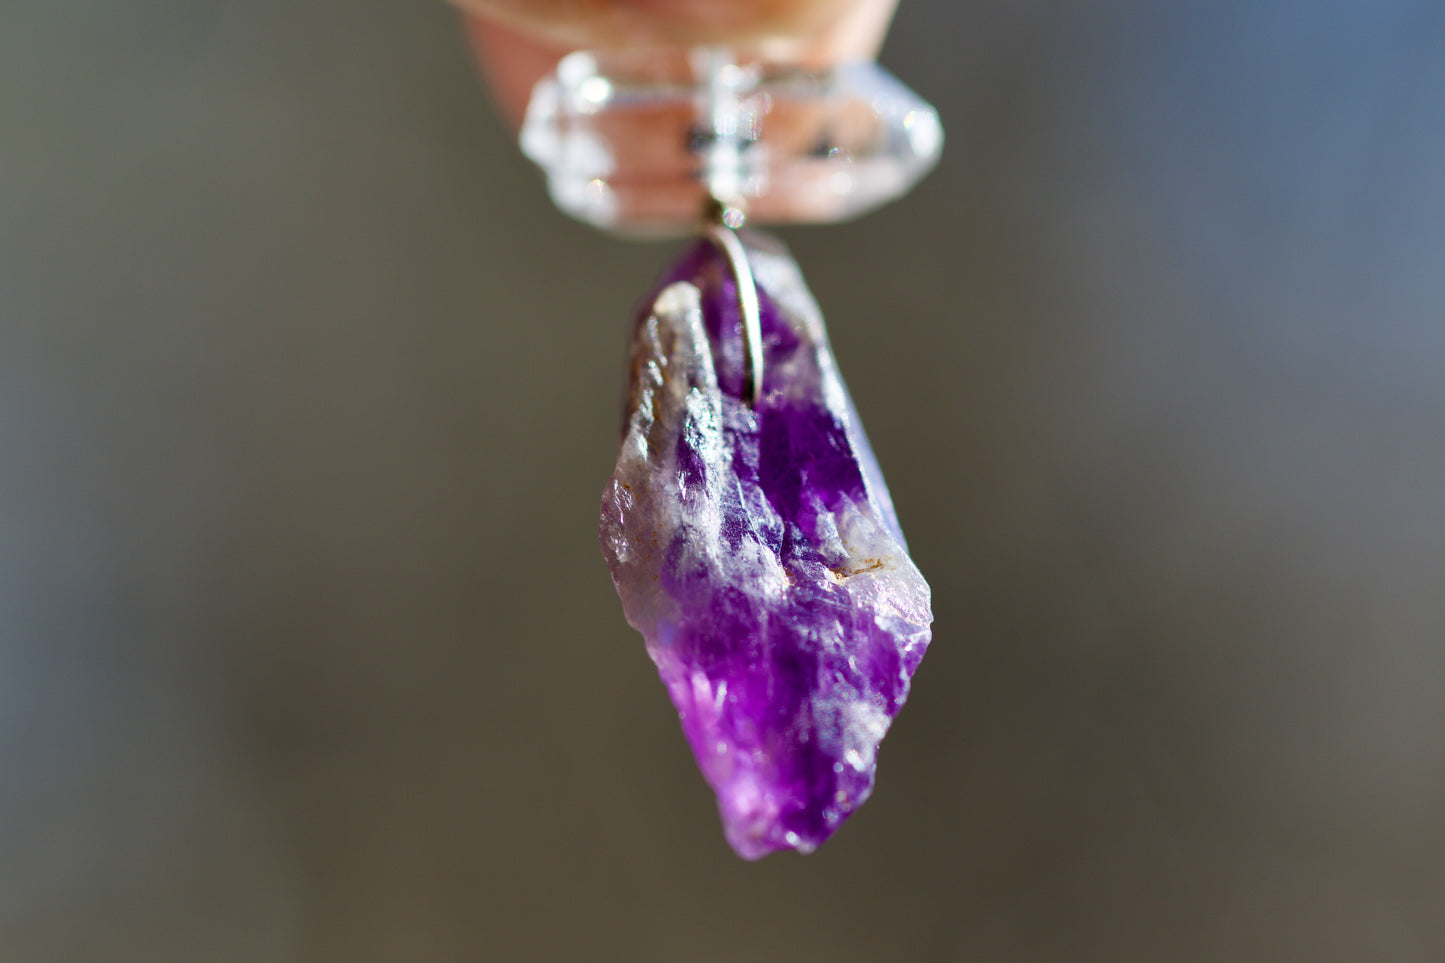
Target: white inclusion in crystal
column 863, row 537
column 703, row 427
column 704, row 697
column 827, row 538
column 863, row 728
column 678, row 300
column 762, row 570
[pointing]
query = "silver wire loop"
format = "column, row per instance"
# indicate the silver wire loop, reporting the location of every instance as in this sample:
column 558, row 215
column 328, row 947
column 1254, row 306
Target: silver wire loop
column 727, row 241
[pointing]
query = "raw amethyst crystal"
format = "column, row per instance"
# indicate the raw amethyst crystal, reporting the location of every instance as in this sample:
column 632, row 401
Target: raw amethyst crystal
column 757, row 551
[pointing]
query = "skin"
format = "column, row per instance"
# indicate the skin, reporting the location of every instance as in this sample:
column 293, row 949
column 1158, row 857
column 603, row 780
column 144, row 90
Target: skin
column 517, row 41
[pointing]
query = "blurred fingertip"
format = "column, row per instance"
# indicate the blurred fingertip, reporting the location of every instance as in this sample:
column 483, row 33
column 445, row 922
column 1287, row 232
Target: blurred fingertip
column 510, row 62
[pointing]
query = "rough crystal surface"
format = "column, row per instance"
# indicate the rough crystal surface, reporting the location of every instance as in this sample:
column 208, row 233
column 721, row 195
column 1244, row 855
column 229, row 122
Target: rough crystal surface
column 757, row 550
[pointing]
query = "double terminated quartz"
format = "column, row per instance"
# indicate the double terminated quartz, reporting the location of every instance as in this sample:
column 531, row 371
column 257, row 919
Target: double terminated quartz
column 637, row 140
column 756, row 549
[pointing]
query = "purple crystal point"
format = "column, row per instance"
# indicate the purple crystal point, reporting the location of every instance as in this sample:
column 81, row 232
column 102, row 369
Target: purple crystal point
column 757, row 551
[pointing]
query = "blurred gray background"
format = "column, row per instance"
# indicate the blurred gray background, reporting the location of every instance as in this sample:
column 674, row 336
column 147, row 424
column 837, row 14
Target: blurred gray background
column 307, row 397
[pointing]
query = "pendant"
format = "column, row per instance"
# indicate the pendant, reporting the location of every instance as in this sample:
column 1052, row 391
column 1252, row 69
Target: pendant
column 747, row 526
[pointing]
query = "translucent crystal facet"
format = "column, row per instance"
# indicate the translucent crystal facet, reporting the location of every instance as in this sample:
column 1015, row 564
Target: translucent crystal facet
column 757, row 550
column 639, row 140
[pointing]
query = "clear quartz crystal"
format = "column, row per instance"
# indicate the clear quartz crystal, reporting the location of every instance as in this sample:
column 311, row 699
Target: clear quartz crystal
column 638, row 140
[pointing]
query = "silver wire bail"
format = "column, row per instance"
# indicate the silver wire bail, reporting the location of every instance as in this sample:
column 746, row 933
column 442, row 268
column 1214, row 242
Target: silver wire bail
column 720, row 228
